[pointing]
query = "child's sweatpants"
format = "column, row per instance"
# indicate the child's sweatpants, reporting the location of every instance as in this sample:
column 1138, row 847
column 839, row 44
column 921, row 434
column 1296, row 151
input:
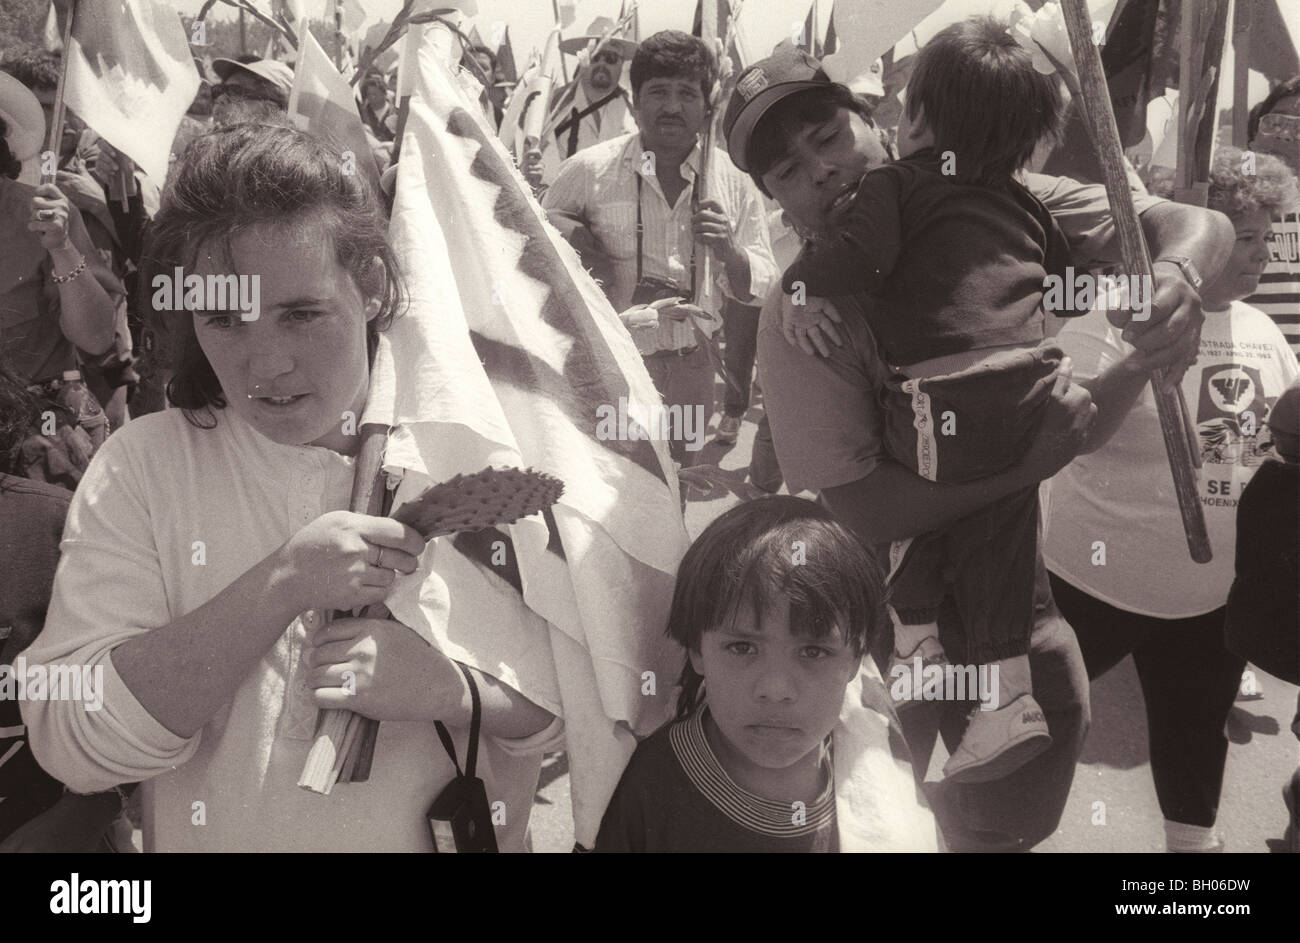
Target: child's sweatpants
column 961, row 427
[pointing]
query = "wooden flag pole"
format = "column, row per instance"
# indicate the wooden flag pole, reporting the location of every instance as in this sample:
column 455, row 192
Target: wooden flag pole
column 1198, row 84
column 1242, row 15
column 336, row 730
column 1137, row 261
column 55, row 136
column 709, row 35
column 564, row 66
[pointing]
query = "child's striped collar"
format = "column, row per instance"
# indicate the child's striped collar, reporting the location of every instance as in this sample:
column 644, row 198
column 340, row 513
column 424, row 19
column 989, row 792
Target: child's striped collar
column 764, row 816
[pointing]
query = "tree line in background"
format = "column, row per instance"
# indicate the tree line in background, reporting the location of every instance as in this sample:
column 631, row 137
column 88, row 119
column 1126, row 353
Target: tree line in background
column 22, row 22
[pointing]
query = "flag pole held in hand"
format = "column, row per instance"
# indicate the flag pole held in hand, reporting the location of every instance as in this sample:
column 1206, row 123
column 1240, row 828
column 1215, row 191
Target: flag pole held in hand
column 1137, row 261
column 55, row 137
column 345, row 741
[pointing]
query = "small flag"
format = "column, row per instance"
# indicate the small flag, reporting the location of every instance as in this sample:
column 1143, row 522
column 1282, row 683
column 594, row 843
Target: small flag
column 52, row 35
column 506, row 59
column 323, row 104
column 131, row 78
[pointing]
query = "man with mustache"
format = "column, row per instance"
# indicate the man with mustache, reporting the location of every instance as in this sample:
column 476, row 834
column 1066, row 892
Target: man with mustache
column 636, row 210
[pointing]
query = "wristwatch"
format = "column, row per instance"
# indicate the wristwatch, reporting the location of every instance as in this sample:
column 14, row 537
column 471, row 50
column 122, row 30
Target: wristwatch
column 1188, row 268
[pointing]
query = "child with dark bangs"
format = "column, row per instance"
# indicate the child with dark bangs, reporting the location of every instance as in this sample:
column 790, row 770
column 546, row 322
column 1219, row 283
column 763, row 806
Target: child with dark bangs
column 780, row 744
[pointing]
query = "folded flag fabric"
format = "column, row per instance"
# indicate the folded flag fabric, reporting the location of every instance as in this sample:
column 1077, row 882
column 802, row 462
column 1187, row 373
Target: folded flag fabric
column 323, row 104
column 506, row 356
column 130, row 77
column 878, row 805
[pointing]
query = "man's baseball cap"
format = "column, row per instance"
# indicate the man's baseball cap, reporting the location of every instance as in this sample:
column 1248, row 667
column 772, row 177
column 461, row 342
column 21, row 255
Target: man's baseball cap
column 788, row 70
column 269, row 70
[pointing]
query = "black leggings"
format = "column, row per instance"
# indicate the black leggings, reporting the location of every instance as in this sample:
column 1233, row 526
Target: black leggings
column 1189, row 682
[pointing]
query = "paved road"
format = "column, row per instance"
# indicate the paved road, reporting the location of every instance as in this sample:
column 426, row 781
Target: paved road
column 1113, row 770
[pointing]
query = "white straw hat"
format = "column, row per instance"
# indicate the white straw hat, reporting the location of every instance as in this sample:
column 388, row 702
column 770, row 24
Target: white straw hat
column 23, row 116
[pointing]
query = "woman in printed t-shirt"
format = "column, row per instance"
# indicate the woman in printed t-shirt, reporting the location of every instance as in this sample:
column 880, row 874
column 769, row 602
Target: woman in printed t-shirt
column 1121, row 574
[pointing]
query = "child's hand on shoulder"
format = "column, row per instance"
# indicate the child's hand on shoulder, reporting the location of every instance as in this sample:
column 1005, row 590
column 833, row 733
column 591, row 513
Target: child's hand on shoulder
column 805, row 324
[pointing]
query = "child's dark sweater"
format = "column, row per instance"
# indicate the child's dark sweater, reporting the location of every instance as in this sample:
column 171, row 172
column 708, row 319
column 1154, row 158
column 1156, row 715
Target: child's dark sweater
column 1263, row 619
column 675, row 797
column 954, row 267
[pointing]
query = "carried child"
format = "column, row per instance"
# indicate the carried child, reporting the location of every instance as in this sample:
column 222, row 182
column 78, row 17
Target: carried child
column 782, row 741
column 956, row 251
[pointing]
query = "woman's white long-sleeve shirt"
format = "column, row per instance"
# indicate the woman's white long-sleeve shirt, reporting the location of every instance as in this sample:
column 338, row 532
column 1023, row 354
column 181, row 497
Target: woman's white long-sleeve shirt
column 167, row 516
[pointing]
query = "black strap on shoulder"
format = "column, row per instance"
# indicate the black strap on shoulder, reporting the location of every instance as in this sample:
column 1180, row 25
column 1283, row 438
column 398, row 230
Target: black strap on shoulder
column 476, row 716
column 573, row 123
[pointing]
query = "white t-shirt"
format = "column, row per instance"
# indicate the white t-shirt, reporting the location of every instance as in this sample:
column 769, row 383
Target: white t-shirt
column 1122, row 496
column 166, row 517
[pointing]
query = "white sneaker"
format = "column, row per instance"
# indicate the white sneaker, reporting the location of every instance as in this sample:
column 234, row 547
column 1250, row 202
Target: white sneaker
column 997, row 743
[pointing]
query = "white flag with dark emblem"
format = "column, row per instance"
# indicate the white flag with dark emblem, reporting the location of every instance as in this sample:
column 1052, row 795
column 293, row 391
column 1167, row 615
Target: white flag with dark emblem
column 131, row 77
column 510, row 355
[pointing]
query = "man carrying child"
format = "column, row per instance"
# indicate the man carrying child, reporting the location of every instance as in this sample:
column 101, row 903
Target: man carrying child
column 808, row 152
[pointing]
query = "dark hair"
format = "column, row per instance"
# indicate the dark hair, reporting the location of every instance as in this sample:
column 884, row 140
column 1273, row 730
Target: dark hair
column 34, row 67
column 10, row 166
column 770, row 141
column 237, row 179
column 1287, row 89
column 672, row 54
column 492, row 56
column 749, row 555
column 983, row 99
column 373, row 78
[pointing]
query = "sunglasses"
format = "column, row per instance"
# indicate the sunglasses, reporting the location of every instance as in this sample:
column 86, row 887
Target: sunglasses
column 609, row 58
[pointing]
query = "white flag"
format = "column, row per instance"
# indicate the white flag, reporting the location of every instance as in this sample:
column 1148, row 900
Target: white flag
column 510, row 355
column 323, row 103
column 131, row 77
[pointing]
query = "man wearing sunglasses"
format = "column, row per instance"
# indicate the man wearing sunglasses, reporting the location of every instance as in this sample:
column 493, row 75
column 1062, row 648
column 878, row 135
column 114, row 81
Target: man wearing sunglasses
column 249, row 91
column 598, row 108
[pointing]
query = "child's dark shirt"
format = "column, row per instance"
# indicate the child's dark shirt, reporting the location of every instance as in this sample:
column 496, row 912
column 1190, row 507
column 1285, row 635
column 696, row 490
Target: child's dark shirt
column 675, row 797
column 954, row 267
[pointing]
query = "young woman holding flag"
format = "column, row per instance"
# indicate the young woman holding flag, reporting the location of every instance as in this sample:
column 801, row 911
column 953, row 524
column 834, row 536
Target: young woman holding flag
column 205, row 541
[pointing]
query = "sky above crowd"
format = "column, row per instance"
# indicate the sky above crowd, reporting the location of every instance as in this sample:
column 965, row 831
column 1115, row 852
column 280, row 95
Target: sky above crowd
column 763, row 23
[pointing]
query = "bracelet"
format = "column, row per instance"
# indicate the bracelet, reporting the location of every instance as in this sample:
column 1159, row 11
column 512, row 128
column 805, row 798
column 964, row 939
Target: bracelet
column 77, row 270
